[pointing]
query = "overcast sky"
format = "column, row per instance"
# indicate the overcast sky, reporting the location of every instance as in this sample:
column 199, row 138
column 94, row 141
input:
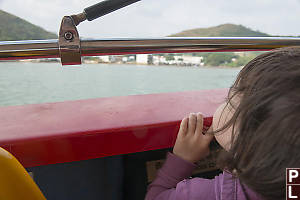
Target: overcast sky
column 156, row 18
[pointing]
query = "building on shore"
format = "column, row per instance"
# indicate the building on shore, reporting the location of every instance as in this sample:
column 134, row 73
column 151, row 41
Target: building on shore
column 104, row 59
column 182, row 60
column 143, row 59
column 189, row 60
column 159, row 60
column 148, row 59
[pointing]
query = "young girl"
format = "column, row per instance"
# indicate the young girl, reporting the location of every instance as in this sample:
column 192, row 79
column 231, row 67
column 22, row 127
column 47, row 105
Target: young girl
column 259, row 129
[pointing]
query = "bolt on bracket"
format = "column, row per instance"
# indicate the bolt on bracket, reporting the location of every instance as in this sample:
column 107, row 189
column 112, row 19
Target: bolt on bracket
column 69, row 42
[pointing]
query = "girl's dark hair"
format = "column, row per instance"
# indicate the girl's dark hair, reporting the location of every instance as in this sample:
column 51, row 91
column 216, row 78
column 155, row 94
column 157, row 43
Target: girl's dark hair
column 266, row 122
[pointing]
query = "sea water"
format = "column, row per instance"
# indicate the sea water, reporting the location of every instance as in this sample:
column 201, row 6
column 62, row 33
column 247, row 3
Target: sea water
column 31, row 83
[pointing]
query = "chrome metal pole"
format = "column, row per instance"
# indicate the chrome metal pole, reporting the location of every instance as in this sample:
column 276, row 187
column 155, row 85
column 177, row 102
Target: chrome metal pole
column 26, row 49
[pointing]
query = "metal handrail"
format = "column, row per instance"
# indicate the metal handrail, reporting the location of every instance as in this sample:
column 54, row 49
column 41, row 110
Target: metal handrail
column 34, row 49
column 70, row 48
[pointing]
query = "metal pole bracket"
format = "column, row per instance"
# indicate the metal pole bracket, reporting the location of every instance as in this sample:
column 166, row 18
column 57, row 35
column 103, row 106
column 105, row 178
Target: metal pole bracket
column 69, row 42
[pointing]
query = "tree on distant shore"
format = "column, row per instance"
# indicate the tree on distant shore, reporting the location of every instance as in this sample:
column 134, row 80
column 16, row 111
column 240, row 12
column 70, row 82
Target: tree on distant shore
column 243, row 60
column 218, row 59
column 170, row 57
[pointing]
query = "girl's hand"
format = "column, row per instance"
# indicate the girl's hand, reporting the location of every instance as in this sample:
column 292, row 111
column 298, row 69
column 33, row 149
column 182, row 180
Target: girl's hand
column 191, row 144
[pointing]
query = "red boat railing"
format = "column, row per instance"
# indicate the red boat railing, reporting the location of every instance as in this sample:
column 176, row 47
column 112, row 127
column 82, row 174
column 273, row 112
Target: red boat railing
column 80, row 130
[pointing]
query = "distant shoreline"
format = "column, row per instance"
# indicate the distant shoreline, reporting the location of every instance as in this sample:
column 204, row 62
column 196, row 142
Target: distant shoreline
column 128, row 64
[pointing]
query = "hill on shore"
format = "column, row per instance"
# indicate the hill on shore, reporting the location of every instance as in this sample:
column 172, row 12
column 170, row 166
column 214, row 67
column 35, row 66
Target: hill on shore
column 15, row 28
column 224, row 30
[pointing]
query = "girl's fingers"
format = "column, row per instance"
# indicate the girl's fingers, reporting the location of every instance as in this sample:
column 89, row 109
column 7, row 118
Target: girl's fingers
column 199, row 127
column 192, row 123
column 183, row 126
column 206, row 138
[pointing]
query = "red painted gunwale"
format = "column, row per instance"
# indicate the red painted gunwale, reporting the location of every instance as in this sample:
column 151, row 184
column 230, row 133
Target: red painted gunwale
column 68, row 131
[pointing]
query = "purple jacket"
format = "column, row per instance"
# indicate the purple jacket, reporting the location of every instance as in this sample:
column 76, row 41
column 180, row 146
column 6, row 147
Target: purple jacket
column 172, row 183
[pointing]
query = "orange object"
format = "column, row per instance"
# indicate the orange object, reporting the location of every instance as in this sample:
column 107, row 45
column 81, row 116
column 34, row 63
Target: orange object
column 15, row 182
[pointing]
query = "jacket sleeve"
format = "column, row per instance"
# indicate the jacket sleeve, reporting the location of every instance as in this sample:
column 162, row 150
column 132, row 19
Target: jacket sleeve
column 172, row 182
